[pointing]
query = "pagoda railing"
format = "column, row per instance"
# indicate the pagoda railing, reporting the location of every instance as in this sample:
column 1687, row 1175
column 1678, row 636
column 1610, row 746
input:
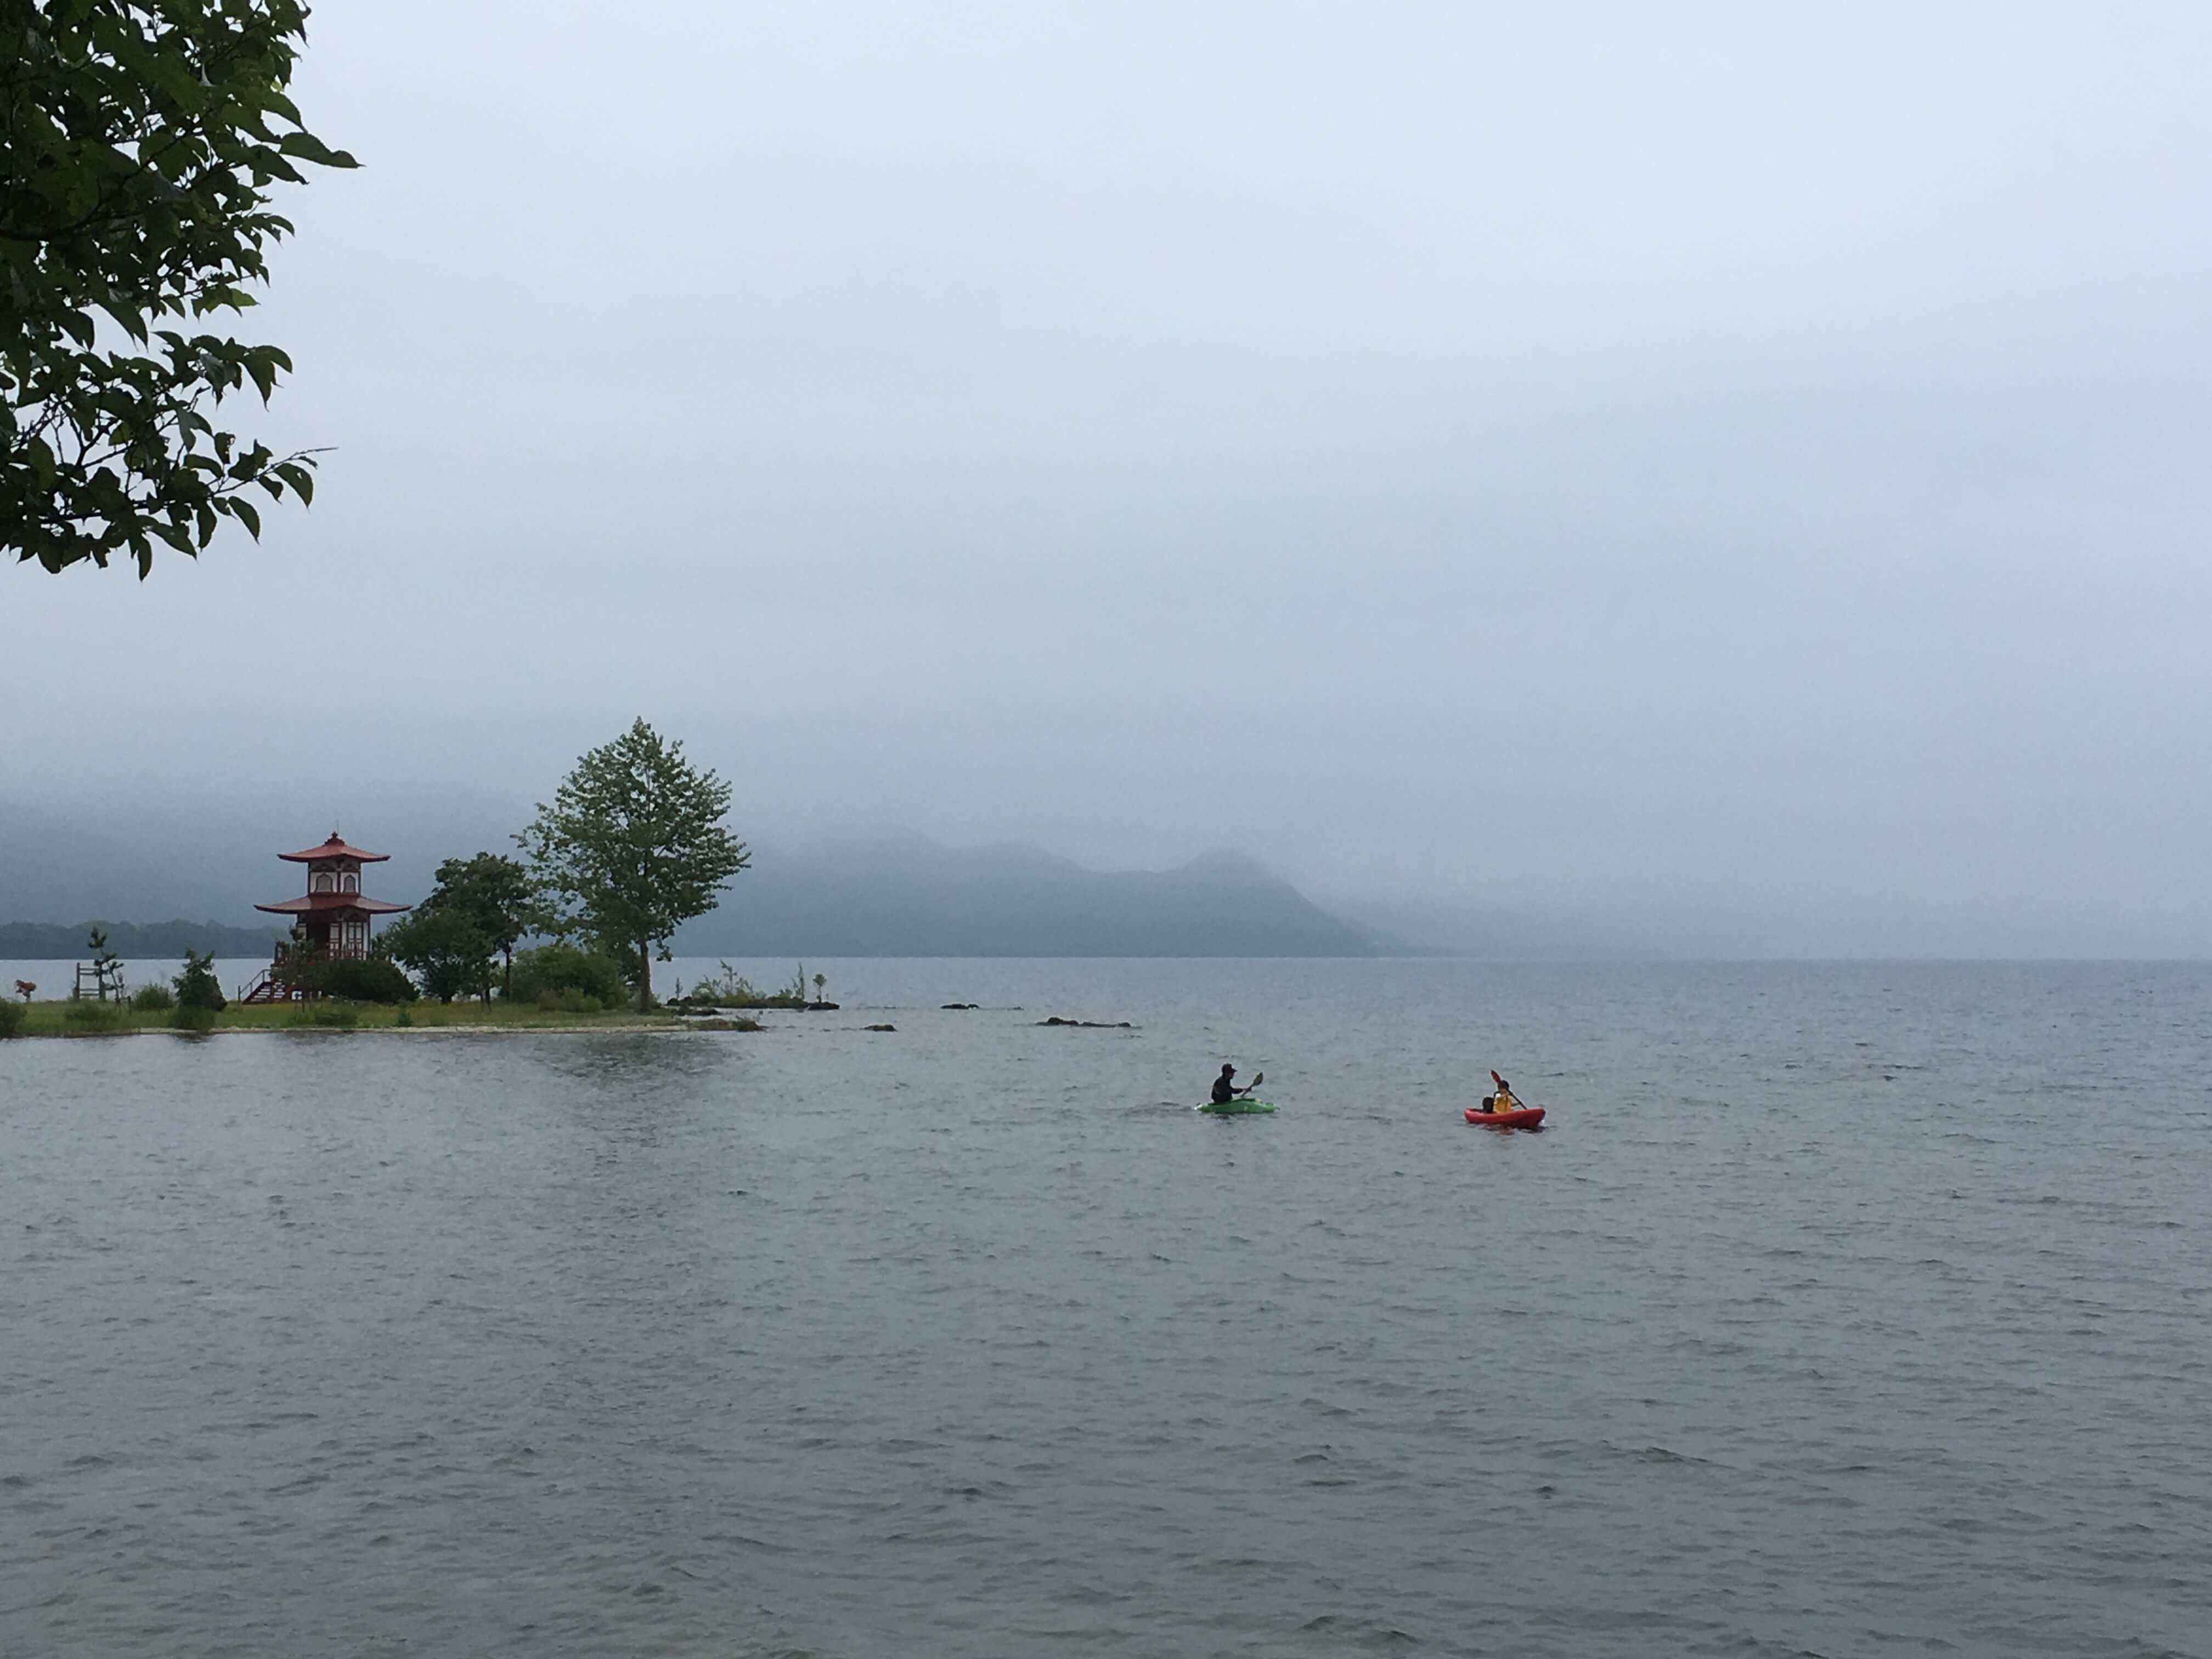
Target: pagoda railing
column 335, row 951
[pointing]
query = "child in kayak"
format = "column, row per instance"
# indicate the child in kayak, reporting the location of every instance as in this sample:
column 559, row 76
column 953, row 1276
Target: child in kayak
column 1502, row 1101
column 1225, row 1088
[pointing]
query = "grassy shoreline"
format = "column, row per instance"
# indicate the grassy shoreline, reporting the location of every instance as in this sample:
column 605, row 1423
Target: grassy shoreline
column 51, row 1019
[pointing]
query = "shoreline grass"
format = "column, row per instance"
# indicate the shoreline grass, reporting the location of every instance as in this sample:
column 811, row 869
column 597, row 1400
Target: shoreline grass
column 54, row 1018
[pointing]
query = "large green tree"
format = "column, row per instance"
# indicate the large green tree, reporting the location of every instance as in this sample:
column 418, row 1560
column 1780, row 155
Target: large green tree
column 139, row 143
column 633, row 846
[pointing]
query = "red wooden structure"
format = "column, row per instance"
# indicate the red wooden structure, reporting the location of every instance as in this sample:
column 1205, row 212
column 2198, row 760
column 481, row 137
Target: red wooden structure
column 331, row 919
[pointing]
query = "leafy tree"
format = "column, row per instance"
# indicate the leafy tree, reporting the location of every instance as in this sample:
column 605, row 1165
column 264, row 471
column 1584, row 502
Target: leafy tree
column 139, row 140
column 447, row 950
column 198, row 987
column 494, row 891
column 633, row 846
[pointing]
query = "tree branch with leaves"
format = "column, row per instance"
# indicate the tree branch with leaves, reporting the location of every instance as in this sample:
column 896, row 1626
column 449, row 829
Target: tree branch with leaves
column 139, row 143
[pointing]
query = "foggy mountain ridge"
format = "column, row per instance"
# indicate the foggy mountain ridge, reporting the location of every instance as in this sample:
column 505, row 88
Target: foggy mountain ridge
column 156, row 855
column 898, row 894
column 879, row 892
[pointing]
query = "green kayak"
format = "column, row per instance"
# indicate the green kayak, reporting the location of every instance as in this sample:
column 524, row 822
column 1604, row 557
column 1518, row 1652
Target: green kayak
column 1231, row 1108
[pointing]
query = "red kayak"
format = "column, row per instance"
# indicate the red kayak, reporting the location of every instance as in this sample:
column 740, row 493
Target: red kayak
column 1527, row 1118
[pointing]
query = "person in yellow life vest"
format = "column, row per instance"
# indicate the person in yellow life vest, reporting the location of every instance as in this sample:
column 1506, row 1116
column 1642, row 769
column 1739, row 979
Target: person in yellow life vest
column 1502, row 1101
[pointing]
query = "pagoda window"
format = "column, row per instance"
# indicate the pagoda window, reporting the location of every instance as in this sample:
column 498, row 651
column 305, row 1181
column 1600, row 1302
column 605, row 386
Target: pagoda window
column 348, row 882
column 322, row 881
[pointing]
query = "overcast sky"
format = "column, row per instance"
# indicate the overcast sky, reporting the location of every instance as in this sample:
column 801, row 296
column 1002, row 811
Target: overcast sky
column 1738, row 455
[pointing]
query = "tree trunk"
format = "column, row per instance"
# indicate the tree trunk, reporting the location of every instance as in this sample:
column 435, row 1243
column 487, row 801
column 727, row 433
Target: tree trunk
column 645, row 976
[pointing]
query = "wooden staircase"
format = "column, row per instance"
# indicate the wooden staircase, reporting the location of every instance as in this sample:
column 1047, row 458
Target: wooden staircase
column 266, row 987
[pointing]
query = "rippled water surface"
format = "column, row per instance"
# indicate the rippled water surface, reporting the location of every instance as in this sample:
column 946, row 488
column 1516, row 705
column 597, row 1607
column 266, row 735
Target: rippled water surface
column 1838, row 1310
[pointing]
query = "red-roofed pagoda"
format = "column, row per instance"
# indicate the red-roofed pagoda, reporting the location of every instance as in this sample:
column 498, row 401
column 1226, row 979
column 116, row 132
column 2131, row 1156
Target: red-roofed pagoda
column 332, row 918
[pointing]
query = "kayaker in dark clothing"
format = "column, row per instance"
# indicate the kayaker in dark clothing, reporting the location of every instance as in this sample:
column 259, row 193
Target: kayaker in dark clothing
column 1225, row 1088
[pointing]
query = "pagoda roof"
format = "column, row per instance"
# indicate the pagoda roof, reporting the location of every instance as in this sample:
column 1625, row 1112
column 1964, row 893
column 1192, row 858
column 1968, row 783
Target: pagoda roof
column 311, row 901
column 333, row 848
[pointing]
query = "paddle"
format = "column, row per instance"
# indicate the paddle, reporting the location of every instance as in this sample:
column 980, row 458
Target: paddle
column 1258, row 1078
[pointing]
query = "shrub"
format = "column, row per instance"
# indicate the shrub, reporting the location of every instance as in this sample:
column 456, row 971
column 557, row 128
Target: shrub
column 153, row 999
column 192, row 1019
column 331, row 1016
column 11, row 1019
column 86, row 1017
column 733, row 990
column 570, row 1000
column 369, row 979
column 403, row 1018
column 197, row 987
column 558, row 967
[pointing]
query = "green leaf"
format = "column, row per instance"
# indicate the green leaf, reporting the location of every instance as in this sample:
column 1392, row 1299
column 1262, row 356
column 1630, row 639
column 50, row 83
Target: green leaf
column 308, row 147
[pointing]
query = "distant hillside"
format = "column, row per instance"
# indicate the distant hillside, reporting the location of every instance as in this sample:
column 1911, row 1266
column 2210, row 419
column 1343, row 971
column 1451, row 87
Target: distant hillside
column 50, row 941
column 216, row 857
column 902, row 895
column 890, row 893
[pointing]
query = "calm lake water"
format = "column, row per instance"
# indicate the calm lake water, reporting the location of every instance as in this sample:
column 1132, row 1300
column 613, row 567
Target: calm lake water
column 1838, row 1310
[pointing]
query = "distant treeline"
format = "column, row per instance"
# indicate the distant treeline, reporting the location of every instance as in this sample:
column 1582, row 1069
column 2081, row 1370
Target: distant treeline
column 51, row 941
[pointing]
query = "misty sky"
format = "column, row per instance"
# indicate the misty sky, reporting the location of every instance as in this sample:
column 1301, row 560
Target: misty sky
column 1670, row 455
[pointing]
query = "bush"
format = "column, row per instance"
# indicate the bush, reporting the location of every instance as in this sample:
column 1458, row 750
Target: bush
column 403, row 1018
column 568, row 1001
column 11, row 1019
column 198, row 987
column 153, row 999
column 371, row 978
column 192, row 1019
column 330, row 1016
column 558, row 967
column 86, row 1017
column 446, row 949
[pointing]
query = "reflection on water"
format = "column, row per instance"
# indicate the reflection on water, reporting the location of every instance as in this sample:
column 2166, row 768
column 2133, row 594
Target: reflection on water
column 1838, row 1308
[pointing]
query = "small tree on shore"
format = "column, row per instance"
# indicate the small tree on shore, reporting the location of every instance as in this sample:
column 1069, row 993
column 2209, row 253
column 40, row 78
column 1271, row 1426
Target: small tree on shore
column 633, row 846
column 447, row 950
column 107, row 967
column 198, row 987
column 496, row 893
